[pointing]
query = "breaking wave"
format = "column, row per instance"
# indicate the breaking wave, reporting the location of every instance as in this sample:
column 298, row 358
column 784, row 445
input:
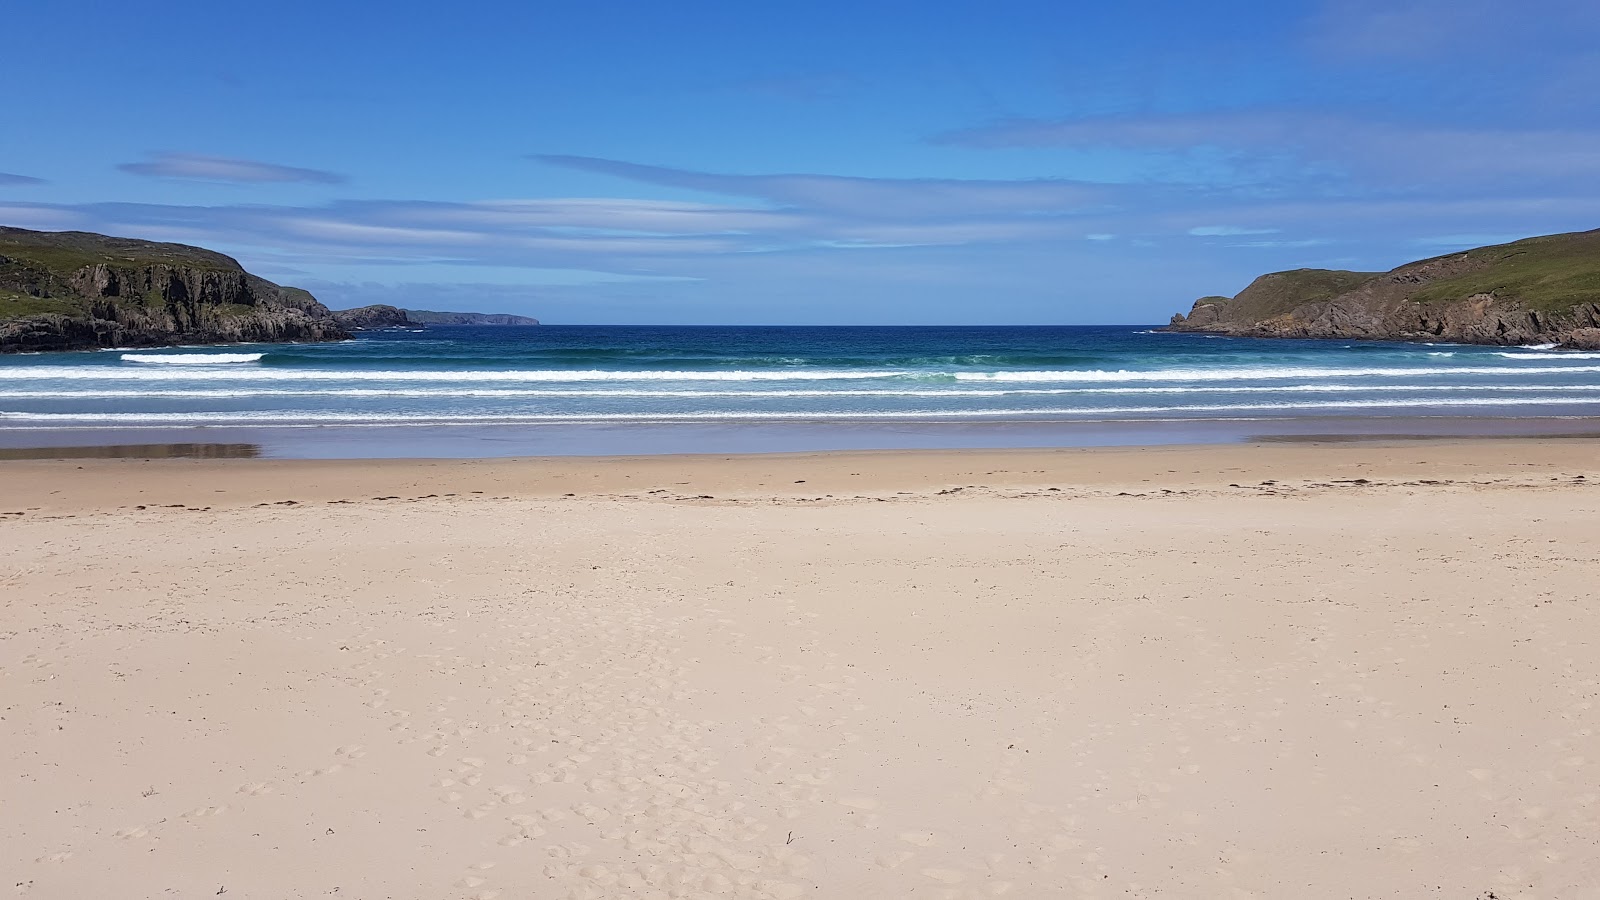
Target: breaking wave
column 191, row 359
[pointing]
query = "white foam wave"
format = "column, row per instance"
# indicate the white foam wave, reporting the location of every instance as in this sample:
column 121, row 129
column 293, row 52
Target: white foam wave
column 1000, row 391
column 1266, row 373
column 1538, row 346
column 1567, row 355
column 191, row 359
column 462, row 376
column 342, row 418
column 1241, row 373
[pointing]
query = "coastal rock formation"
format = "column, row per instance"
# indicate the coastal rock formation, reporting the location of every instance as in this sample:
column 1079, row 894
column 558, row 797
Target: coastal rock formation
column 73, row 290
column 378, row 315
column 1534, row 291
column 432, row 317
column 364, row 318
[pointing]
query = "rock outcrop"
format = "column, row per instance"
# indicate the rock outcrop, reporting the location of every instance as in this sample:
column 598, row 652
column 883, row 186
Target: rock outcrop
column 73, row 290
column 1534, row 291
column 364, row 318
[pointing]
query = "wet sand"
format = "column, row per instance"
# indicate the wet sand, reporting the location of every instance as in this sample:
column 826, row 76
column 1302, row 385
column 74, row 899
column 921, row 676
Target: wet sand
column 1269, row 670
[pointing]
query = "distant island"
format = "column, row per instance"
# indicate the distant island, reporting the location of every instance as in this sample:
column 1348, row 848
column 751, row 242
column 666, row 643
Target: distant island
column 384, row 316
column 1541, row 290
column 74, row 290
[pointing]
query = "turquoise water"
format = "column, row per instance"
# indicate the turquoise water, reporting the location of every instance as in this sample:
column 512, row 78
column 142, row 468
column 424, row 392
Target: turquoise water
column 564, row 375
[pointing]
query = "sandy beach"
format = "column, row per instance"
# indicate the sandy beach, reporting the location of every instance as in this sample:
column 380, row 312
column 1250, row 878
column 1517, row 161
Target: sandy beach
column 1294, row 670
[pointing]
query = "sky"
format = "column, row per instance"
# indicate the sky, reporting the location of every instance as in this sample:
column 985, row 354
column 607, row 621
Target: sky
column 859, row 162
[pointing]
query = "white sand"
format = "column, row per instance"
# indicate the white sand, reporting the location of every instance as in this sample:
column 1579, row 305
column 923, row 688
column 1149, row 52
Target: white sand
column 1290, row 690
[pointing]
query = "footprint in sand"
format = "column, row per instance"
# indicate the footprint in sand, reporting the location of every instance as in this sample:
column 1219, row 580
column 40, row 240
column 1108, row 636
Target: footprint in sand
column 946, row 876
column 510, row 795
column 919, row 838
column 256, row 789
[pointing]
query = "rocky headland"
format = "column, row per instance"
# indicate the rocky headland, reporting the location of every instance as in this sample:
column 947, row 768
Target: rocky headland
column 72, row 290
column 1534, row 291
column 432, row 317
column 365, row 318
column 381, row 315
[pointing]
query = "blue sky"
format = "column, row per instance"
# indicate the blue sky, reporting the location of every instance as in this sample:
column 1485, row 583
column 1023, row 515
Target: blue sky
column 864, row 162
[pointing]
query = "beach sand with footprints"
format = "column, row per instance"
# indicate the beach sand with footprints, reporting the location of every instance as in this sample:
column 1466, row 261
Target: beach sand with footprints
column 1308, row 671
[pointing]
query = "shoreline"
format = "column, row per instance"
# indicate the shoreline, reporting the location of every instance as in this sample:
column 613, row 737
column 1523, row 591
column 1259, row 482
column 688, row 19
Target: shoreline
column 498, row 441
column 190, row 483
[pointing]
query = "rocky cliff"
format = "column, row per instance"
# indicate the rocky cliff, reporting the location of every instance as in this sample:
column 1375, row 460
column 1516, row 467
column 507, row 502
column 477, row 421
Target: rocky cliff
column 379, row 315
column 72, row 290
column 1533, row 291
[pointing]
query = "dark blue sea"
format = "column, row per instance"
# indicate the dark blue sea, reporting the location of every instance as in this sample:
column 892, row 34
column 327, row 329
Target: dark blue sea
column 497, row 391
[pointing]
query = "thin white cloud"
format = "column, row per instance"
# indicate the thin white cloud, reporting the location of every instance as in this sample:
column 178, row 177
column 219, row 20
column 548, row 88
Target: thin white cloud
column 1284, row 245
column 1295, row 147
column 887, row 198
column 1413, row 29
column 1467, row 240
column 196, row 167
column 1228, row 231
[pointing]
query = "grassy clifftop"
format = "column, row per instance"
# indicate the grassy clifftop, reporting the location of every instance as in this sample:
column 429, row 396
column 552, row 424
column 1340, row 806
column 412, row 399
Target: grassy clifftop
column 76, row 290
column 1548, row 274
column 67, row 251
column 1280, row 292
column 1538, row 289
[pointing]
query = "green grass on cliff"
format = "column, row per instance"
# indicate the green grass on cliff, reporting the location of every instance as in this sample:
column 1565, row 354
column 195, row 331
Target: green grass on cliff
column 65, row 252
column 14, row 305
column 1549, row 274
column 1279, row 293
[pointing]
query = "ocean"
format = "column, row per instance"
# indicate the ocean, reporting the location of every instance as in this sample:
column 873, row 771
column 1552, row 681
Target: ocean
column 466, row 391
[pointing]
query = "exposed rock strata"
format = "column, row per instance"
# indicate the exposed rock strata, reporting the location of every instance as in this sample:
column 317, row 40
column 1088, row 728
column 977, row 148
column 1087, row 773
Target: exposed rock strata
column 1538, row 291
column 76, row 291
column 379, row 315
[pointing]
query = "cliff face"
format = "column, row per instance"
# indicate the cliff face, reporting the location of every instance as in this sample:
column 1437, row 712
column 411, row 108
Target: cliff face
column 76, row 291
column 1534, row 291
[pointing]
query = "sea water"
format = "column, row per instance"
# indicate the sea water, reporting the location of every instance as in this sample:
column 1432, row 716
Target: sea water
column 543, row 382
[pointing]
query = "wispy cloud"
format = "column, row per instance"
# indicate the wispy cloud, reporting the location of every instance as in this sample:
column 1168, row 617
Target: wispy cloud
column 10, row 180
column 872, row 198
column 1302, row 147
column 195, row 167
column 787, row 231
column 1410, row 29
column 1228, row 231
column 1466, row 240
column 1284, row 245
